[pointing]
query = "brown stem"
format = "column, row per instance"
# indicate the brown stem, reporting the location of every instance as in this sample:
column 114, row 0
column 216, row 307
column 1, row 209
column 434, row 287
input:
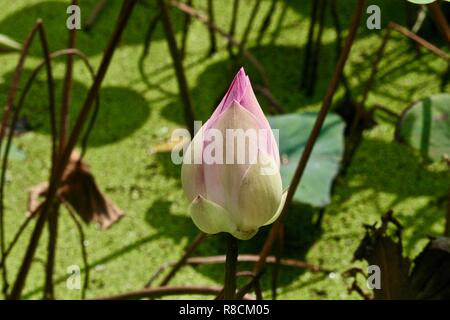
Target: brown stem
column 185, row 94
column 355, row 287
column 309, row 45
column 51, row 98
column 67, row 90
column 197, row 261
column 325, row 108
column 204, row 19
column 99, row 6
column 229, row 289
column 61, row 165
column 212, row 34
column 378, row 107
column 233, row 26
column 83, row 251
column 314, row 133
column 266, row 22
column 27, row 260
column 447, row 220
column 258, row 291
column 354, row 136
column 312, row 79
column 14, row 120
column 148, row 36
column 279, row 24
column 167, row 291
column 255, row 258
column 51, row 94
column 337, row 26
column 245, row 273
column 249, row 26
column 186, row 25
column 272, row 100
column 49, row 293
column 16, row 79
column 256, row 284
column 276, row 267
column 422, row 42
column 191, row 248
column 404, row 31
column 374, row 68
column 5, row 120
column 248, row 287
column 440, row 20
column 15, row 239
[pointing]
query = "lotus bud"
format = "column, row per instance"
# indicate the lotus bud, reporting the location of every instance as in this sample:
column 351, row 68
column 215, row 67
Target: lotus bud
column 230, row 170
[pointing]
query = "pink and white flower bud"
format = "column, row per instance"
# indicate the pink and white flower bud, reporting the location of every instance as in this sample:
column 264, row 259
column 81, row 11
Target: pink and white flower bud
column 226, row 193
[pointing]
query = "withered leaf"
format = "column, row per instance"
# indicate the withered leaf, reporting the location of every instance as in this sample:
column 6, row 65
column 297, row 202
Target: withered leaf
column 430, row 277
column 80, row 191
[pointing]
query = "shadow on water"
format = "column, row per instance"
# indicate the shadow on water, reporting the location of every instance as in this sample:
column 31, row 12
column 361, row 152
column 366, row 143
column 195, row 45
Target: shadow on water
column 54, row 16
column 214, row 82
column 403, row 173
column 395, row 169
column 381, row 168
column 299, row 222
column 122, row 111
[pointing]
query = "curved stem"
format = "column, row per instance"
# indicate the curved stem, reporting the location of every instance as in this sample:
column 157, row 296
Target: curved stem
column 186, row 24
column 212, row 33
column 276, row 267
column 248, row 28
column 149, row 35
column 231, row 41
column 197, row 241
column 312, row 79
column 337, row 75
column 50, row 89
column 440, row 20
column 49, row 290
column 99, row 6
column 166, row 291
column 5, row 119
column 447, row 220
column 83, row 250
column 233, row 26
column 230, row 268
column 266, row 22
column 337, row 26
column 189, row 114
column 67, row 91
column 14, row 120
column 15, row 239
column 309, row 45
column 62, row 163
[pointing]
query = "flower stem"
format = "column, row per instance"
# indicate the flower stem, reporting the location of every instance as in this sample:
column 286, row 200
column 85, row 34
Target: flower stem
column 230, row 268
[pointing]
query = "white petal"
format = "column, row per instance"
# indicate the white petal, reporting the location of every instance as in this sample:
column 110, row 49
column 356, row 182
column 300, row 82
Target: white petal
column 260, row 194
column 192, row 177
column 210, row 217
column 244, row 235
column 280, row 209
column 222, row 180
